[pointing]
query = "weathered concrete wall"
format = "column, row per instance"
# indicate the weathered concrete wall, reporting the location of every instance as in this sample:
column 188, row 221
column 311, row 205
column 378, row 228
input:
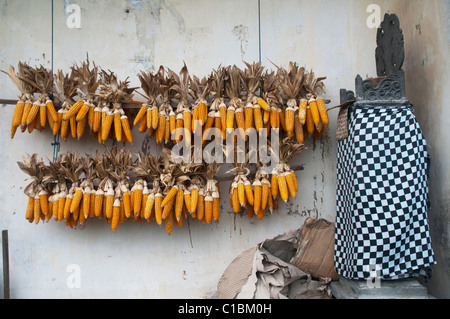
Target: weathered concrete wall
column 142, row 261
column 426, row 30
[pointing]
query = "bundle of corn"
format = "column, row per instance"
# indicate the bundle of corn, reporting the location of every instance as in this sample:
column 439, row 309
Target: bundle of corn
column 257, row 110
column 181, row 192
column 87, row 204
column 221, row 74
column 211, row 194
column 270, row 93
column 147, row 117
column 201, row 117
column 37, row 192
column 62, row 179
column 235, row 108
column 217, row 115
column 88, row 83
column 41, row 79
column 55, row 181
column 72, row 167
column 291, row 83
column 112, row 94
column 173, row 193
column 26, row 97
column 316, row 113
column 65, row 175
column 66, row 90
column 241, row 193
column 164, row 126
column 283, row 179
column 105, row 185
column 147, row 169
column 262, row 192
column 122, row 203
column 182, row 115
column 192, row 178
column 197, row 204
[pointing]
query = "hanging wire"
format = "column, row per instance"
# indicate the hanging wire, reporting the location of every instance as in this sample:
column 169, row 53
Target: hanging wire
column 52, row 37
column 56, row 145
column 259, row 28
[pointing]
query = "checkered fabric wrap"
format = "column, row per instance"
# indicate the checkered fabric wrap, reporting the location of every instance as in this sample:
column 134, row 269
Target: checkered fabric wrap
column 382, row 196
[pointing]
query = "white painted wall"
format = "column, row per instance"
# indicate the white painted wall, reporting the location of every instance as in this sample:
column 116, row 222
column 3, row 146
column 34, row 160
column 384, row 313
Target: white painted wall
column 143, row 261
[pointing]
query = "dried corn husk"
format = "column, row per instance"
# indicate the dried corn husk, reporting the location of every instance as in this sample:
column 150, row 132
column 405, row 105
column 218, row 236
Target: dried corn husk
column 88, row 82
column 112, row 94
column 26, row 97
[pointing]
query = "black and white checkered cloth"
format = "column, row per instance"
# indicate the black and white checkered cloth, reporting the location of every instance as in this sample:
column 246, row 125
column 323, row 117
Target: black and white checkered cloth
column 382, row 196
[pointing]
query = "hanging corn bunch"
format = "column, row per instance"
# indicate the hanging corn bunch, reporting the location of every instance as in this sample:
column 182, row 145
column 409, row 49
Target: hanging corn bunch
column 161, row 120
column 203, row 117
column 41, row 79
column 173, row 193
column 147, row 116
column 148, row 172
column 112, row 94
column 181, row 190
column 217, row 115
column 256, row 109
column 73, row 169
column 263, row 200
column 283, row 180
column 270, row 93
column 316, row 113
column 195, row 189
column 183, row 114
column 235, row 109
column 26, row 97
column 55, row 181
column 121, row 166
column 291, row 82
column 87, row 188
column 211, row 194
column 66, row 88
column 37, row 192
column 88, row 83
column 191, row 179
column 241, row 192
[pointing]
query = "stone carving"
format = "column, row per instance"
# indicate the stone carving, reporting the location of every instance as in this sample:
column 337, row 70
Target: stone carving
column 390, row 51
column 388, row 88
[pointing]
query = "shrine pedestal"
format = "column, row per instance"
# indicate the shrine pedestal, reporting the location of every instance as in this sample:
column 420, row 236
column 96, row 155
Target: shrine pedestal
column 379, row 289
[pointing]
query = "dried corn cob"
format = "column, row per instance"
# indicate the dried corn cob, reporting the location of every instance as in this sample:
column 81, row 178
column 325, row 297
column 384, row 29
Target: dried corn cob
column 257, row 190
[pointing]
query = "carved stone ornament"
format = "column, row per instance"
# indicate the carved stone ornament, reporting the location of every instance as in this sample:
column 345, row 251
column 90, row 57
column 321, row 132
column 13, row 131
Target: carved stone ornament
column 390, row 51
column 389, row 89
